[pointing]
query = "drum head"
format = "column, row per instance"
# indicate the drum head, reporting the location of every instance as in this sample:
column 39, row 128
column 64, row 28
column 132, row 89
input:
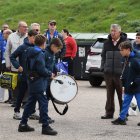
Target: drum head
column 63, row 89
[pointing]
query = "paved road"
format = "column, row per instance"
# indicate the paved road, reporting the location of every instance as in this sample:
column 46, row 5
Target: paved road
column 82, row 121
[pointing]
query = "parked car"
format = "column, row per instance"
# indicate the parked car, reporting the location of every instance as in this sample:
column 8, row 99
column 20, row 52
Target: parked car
column 95, row 76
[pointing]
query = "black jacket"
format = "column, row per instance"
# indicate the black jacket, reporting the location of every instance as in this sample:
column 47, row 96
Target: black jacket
column 111, row 57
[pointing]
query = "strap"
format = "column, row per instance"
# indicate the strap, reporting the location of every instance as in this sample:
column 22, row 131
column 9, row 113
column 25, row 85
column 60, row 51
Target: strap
column 56, row 109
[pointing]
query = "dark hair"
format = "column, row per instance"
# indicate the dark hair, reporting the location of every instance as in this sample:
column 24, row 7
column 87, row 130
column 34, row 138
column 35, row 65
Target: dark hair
column 67, row 32
column 32, row 33
column 125, row 45
column 57, row 42
column 40, row 39
column 138, row 34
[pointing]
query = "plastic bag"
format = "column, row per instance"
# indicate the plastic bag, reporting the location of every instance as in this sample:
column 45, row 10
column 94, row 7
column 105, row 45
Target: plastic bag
column 62, row 67
column 9, row 80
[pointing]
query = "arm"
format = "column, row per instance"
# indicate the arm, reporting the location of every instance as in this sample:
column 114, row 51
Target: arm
column 103, row 58
column 74, row 47
column 16, row 54
column 8, row 53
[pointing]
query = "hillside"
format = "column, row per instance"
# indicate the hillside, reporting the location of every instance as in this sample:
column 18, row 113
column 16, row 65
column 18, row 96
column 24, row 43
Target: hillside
column 76, row 15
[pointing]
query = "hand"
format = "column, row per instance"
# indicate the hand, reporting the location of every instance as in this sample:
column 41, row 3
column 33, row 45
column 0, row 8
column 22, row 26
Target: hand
column 8, row 68
column 20, row 69
column 53, row 75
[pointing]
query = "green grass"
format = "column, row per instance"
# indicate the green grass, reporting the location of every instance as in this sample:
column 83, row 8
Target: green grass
column 76, row 15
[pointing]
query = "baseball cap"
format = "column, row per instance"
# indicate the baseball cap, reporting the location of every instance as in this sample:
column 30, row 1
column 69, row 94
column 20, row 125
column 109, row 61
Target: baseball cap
column 52, row 21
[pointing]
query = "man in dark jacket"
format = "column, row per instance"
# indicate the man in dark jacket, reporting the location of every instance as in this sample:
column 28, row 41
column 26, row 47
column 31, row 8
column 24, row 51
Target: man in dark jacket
column 20, row 53
column 131, row 79
column 53, row 33
column 112, row 67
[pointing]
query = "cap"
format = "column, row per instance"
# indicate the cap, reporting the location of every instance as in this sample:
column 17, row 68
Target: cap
column 52, row 21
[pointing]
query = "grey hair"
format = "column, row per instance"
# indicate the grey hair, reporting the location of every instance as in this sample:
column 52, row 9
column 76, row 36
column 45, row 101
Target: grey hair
column 116, row 26
column 34, row 24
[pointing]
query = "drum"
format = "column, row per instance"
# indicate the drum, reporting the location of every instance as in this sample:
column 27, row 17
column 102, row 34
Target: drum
column 63, row 89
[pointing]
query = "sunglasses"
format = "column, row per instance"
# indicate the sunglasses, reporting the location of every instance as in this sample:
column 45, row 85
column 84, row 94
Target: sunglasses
column 52, row 24
column 37, row 30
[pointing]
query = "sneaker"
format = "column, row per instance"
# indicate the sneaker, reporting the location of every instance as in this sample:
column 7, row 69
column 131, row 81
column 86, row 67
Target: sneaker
column 34, row 116
column 25, row 128
column 17, row 116
column 119, row 122
column 48, row 131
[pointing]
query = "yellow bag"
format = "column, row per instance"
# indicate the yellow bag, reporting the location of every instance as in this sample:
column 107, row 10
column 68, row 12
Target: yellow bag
column 9, row 80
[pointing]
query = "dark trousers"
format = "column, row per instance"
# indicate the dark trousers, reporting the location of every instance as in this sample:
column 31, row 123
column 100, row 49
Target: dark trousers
column 113, row 83
column 70, row 65
column 43, row 108
column 22, row 89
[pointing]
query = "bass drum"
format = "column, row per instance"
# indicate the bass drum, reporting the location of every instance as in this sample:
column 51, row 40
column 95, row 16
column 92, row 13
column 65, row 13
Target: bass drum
column 63, row 89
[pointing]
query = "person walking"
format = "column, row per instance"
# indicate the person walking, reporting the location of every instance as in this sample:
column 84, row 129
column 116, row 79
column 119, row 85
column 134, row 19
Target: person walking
column 130, row 79
column 112, row 67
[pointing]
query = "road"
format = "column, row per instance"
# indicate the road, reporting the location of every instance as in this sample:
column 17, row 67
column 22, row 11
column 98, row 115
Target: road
column 82, row 121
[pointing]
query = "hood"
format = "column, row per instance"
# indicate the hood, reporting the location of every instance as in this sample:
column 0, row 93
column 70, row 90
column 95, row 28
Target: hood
column 34, row 51
column 122, row 36
column 26, row 42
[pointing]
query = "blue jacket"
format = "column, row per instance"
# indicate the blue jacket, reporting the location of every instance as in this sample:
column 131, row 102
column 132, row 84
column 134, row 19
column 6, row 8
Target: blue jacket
column 56, row 35
column 2, row 47
column 131, row 74
column 37, row 66
column 21, row 53
column 50, row 60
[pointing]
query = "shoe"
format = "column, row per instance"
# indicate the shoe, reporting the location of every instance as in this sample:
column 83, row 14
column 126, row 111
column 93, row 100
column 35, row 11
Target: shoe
column 7, row 101
column 17, row 116
column 25, row 128
column 107, row 117
column 13, row 105
column 119, row 122
column 138, row 124
column 34, row 116
column 48, row 131
column 50, row 121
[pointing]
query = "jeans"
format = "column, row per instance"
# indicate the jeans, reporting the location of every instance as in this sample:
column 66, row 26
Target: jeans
column 126, row 104
column 43, row 108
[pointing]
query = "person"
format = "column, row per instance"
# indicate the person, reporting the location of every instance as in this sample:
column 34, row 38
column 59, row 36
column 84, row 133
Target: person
column 3, row 45
column 111, row 66
column 6, row 34
column 14, row 41
column 71, row 50
column 35, row 27
column 50, row 33
column 2, row 51
column 38, row 74
column 20, row 64
column 130, row 79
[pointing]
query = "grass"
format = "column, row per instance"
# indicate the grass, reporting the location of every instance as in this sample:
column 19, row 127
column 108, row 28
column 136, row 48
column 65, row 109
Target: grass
column 76, row 15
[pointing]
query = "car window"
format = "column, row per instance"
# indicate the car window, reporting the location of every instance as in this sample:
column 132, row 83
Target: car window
column 98, row 45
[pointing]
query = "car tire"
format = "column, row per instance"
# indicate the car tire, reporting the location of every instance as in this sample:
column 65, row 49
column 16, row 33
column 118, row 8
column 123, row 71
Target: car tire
column 95, row 81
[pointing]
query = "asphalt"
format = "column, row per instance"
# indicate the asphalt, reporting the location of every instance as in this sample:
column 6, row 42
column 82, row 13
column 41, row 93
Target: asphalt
column 82, row 121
